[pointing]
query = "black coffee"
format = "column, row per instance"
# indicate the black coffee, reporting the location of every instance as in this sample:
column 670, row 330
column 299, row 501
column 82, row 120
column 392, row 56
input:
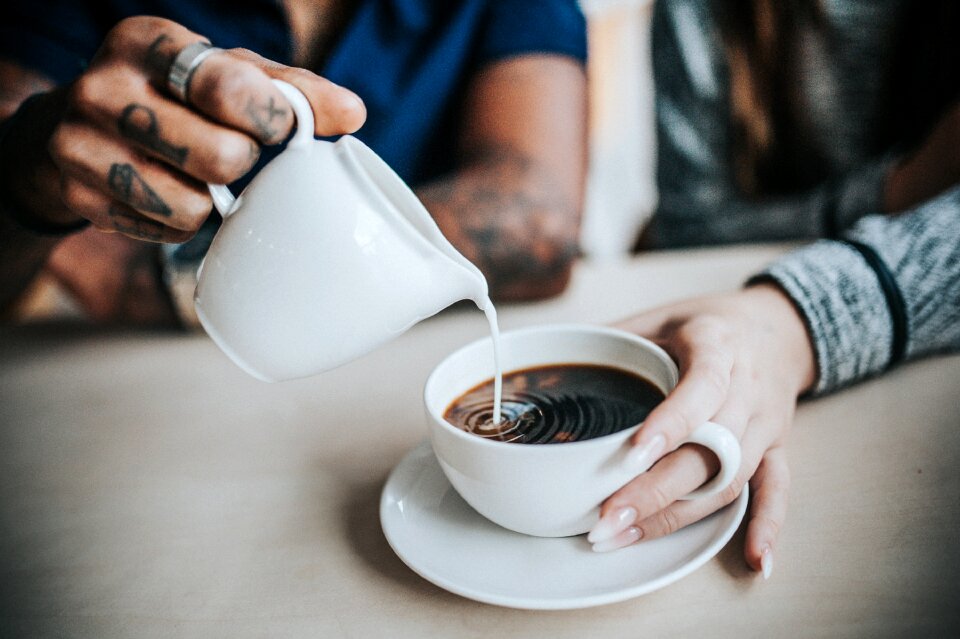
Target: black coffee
column 558, row 403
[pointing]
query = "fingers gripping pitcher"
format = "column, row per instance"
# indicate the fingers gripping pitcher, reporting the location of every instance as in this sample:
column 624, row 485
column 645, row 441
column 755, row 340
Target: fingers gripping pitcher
column 325, row 256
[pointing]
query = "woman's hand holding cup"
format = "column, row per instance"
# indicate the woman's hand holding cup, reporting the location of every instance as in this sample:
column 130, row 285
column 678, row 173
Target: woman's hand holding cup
column 554, row 489
column 743, row 359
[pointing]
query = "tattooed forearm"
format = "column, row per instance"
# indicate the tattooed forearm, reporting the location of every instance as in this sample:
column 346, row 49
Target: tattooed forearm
column 139, row 123
column 264, row 117
column 129, row 187
column 506, row 217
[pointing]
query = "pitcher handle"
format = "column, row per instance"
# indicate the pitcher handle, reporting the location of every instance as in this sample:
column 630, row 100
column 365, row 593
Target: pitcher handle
column 223, row 200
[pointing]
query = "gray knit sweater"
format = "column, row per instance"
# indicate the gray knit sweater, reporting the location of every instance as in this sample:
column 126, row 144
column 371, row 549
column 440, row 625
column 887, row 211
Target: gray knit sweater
column 840, row 295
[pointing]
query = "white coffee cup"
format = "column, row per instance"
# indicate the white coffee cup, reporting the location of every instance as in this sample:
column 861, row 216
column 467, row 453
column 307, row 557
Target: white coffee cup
column 552, row 490
column 326, row 255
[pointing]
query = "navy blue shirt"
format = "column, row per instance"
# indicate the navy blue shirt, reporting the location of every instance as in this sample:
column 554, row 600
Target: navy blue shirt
column 409, row 60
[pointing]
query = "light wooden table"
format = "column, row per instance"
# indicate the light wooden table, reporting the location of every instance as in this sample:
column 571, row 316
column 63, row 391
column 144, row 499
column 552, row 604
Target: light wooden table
column 148, row 488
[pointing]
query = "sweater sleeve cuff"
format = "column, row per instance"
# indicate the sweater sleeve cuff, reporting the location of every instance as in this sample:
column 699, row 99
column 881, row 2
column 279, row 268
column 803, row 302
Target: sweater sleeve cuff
column 839, row 298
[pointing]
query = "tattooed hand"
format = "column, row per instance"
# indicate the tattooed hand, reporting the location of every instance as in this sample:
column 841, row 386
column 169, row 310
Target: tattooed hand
column 131, row 158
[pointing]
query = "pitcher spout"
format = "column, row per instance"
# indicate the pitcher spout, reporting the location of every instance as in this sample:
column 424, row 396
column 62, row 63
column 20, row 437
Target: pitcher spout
column 468, row 283
column 413, row 222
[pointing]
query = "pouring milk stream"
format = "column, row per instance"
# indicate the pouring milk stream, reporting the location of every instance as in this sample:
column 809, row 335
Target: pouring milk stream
column 325, row 256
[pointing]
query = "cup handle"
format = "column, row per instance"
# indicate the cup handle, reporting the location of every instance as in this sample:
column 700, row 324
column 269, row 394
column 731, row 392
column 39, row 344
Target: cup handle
column 223, row 200
column 726, row 447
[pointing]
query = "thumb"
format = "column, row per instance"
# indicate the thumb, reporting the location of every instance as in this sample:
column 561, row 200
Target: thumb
column 336, row 110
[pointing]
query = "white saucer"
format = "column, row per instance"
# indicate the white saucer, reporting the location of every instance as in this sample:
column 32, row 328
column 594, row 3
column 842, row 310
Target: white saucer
column 448, row 543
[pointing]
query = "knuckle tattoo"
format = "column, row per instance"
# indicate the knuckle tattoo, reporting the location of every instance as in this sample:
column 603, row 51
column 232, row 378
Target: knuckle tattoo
column 134, row 226
column 138, row 123
column 127, row 185
column 159, row 57
column 268, row 117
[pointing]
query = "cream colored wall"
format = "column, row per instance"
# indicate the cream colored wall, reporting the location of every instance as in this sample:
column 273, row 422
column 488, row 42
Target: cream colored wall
column 621, row 191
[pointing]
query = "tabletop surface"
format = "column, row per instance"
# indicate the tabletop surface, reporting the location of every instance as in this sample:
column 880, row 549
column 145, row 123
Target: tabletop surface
column 149, row 488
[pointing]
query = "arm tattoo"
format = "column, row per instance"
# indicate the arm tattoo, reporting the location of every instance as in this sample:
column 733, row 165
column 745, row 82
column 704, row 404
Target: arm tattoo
column 139, row 123
column 127, row 185
column 508, row 217
column 262, row 117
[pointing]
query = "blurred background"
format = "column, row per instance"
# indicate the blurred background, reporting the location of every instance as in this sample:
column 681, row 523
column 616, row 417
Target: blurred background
column 621, row 189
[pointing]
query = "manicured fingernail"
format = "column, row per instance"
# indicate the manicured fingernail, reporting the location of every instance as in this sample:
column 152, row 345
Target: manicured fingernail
column 629, row 536
column 766, row 562
column 641, row 458
column 612, row 524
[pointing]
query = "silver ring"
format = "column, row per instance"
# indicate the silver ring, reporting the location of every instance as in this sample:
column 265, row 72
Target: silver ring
column 184, row 65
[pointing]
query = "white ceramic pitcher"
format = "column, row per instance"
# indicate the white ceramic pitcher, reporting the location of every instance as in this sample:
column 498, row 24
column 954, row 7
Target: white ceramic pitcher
column 326, row 255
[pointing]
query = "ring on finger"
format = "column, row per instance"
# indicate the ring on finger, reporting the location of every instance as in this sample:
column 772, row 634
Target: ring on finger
column 185, row 65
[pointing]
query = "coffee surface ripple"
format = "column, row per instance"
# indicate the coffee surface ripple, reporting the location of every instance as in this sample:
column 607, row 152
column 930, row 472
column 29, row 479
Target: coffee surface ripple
column 546, row 418
column 556, row 403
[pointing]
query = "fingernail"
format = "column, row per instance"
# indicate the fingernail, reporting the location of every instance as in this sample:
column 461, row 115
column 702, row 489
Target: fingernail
column 766, row 562
column 612, row 524
column 629, row 536
column 641, row 458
